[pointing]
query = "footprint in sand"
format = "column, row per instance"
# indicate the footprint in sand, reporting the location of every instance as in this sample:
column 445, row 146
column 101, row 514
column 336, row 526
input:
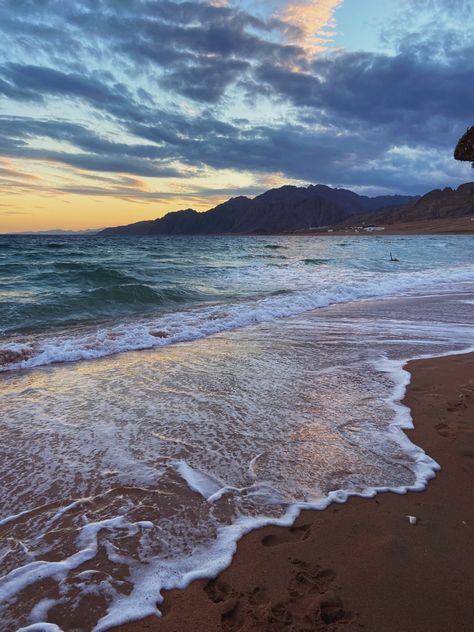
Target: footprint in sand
column 464, row 399
column 308, row 578
column 444, row 430
column 295, row 534
column 218, row 590
column 312, row 604
column 232, row 615
column 258, row 596
column 331, row 608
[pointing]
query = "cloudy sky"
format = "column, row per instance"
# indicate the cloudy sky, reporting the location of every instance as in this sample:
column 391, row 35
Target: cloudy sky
column 113, row 111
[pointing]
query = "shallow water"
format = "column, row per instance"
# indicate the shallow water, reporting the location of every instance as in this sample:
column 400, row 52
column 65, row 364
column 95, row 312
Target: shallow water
column 76, row 298
column 139, row 471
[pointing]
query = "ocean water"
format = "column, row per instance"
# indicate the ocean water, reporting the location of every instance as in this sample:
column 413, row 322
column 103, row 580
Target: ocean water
column 161, row 397
column 76, row 298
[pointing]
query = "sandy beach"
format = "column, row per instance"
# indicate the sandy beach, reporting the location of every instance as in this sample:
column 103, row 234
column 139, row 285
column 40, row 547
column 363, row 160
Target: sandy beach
column 361, row 565
column 236, row 316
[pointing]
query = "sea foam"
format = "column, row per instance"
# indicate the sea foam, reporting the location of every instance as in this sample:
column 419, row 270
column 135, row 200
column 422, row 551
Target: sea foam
column 160, row 462
column 183, row 326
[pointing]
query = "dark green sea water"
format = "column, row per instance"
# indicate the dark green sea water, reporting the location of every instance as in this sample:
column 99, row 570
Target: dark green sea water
column 72, row 298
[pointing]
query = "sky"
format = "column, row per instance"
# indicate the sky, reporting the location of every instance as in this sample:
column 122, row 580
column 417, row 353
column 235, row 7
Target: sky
column 115, row 111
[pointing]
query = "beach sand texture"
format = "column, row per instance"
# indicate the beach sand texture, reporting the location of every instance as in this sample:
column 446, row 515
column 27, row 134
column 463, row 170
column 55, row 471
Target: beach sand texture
column 361, row 565
column 127, row 475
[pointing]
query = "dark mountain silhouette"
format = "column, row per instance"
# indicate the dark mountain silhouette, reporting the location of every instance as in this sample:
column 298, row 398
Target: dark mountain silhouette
column 285, row 209
column 437, row 204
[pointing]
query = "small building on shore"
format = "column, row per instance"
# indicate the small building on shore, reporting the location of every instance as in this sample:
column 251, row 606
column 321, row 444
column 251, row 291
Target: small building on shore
column 371, row 229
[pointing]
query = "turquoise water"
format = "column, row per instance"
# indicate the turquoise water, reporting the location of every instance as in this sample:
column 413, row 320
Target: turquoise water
column 73, row 298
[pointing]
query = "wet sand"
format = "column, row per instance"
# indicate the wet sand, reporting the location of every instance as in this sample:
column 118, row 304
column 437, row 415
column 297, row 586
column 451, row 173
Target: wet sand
column 361, row 565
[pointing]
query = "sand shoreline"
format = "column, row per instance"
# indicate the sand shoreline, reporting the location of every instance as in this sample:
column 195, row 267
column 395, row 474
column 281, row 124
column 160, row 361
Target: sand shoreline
column 361, row 565
column 421, row 228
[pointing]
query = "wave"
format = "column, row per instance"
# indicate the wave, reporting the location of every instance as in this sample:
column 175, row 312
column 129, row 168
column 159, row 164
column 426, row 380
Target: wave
column 121, row 299
column 98, row 274
column 68, row 265
column 263, row 256
column 316, row 262
column 191, row 324
column 137, row 293
column 6, row 268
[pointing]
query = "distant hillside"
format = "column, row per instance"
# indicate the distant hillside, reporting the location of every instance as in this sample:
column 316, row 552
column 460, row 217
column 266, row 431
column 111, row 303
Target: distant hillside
column 437, row 204
column 58, row 232
column 280, row 210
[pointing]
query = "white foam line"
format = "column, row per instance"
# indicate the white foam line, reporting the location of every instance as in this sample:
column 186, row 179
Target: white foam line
column 40, row 508
column 208, row 487
column 19, row 578
column 150, row 581
column 197, row 480
column 41, row 627
column 426, row 467
column 208, row 563
column 40, row 611
column 201, row 323
column 203, row 563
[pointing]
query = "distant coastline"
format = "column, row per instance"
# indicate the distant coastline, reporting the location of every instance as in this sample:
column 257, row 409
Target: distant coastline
column 455, row 226
column 321, row 209
column 316, row 209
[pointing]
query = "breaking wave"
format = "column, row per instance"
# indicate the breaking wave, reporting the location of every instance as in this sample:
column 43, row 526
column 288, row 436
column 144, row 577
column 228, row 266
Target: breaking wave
column 85, row 343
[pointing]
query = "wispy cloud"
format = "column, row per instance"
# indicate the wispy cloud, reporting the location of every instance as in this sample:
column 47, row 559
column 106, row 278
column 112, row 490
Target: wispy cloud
column 15, row 212
column 8, row 170
column 199, row 87
column 313, row 21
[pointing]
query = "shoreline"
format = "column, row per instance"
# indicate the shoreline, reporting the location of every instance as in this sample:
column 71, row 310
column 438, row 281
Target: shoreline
column 421, row 228
column 360, row 565
column 463, row 225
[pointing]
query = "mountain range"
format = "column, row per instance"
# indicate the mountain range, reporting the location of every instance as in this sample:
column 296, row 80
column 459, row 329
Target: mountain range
column 437, row 204
column 289, row 209
column 285, row 209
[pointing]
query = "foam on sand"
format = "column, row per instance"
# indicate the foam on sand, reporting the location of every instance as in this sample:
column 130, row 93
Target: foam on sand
column 149, row 467
column 192, row 324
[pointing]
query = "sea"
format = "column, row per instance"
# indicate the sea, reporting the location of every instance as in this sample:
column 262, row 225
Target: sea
column 162, row 396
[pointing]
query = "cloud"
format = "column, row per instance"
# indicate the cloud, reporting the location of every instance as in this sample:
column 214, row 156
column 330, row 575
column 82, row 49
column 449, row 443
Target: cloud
column 311, row 20
column 407, row 95
column 27, row 82
column 13, row 174
column 98, row 154
column 458, row 8
column 184, row 43
column 153, row 89
column 204, row 81
column 16, row 213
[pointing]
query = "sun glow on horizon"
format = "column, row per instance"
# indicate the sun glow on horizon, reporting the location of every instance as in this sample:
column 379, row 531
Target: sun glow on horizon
column 112, row 113
column 75, row 200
